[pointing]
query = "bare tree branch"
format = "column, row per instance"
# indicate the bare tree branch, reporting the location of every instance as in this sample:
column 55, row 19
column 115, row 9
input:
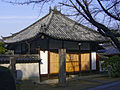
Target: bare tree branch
column 90, row 12
column 79, row 11
column 66, row 5
column 27, row 2
column 106, row 11
column 99, row 25
column 113, row 5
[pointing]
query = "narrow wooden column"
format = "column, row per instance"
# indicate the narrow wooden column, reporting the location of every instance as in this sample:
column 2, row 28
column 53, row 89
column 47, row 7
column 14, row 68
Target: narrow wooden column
column 48, row 64
column 79, row 63
column 40, row 76
column 39, row 72
column 79, row 44
column 62, row 67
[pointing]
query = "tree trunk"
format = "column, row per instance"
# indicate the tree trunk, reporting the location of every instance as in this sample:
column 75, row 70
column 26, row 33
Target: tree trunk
column 62, row 67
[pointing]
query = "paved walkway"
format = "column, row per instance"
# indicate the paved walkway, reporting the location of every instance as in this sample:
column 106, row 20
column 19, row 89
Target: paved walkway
column 110, row 86
column 107, row 86
column 72, row 77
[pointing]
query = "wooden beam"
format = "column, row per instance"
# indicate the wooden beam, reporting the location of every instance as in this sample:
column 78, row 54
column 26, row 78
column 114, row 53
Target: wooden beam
column 62, row 67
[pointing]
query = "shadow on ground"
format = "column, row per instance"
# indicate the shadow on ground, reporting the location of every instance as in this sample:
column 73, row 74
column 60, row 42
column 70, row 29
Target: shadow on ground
column 75, row 82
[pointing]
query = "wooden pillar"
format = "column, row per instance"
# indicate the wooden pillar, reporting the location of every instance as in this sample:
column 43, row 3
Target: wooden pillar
column 40, row 77
column 48, row 42
column 90, row 62
column 62, row 67
column 48, row 64
column 79, row 63
column 40, row 72
column 79, row 44
column 97, row 62
column 12, row 67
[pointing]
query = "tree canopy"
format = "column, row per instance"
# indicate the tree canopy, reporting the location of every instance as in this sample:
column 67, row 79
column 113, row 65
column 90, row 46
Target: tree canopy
column 112, row 64
column 104, row 15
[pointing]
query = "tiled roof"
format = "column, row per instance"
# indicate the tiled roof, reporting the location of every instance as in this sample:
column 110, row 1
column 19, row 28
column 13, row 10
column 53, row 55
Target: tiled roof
column 110, row 49
column 57, row 26
column 5, row 59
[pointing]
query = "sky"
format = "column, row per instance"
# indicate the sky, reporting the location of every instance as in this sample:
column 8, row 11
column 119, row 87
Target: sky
column 14, row 18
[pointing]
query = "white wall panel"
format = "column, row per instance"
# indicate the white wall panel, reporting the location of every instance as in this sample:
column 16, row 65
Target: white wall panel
column 93, row 60
column 44, row 62
column 26, row 70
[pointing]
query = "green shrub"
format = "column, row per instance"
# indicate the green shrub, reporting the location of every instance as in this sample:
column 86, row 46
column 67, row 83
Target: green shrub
column 9, row 52
column 112, row 65
column 2, row 48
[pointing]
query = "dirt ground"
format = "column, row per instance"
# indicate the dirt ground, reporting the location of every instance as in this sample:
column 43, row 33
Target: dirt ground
column 74, row 83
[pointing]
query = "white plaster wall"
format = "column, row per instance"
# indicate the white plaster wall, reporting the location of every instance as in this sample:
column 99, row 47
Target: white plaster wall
column 93, row 60
column 26, row 70
column 44, row 62
column 5, row 65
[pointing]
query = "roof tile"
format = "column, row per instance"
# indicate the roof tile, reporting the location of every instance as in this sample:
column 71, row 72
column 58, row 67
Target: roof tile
column 59, row 27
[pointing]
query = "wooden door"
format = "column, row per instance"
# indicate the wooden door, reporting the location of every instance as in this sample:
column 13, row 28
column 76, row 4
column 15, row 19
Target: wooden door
column 85, row 61
column 72, row 62
column 54, row 63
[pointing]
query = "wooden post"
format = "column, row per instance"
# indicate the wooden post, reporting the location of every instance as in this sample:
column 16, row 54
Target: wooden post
column 40, row 72
column 79, row 64
column 48, row 64
column 13, row 67
column 79, row 44
column 40, row 77
column 62, row 67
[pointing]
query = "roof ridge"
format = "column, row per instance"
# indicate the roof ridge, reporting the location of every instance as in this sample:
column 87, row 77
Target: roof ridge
column 53, row 11
column 47, row 26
